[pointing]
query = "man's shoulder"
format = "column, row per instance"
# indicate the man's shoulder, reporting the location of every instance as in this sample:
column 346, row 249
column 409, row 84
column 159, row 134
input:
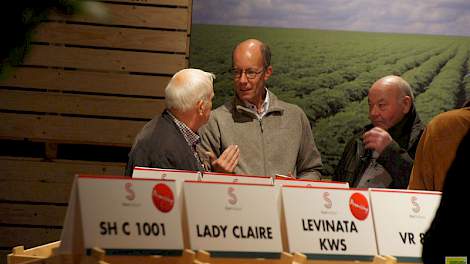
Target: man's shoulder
column 226, row 107
column 224, row 111
column 456, row 115
column 147, row 130
column 287, row 107
column 156, row 132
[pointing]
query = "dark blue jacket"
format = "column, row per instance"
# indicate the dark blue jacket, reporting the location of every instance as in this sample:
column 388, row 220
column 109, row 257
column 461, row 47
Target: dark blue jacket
column 160, row 144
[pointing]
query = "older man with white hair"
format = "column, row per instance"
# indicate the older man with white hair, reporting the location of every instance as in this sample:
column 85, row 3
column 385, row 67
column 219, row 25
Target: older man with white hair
column 171, row 140
column 382, row 154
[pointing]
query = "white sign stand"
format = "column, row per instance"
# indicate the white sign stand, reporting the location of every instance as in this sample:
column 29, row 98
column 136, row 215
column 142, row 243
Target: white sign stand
column 235, row 178
column 233, row 219
column 155, row 173
column 329, row 223
column 170, row 174
column 401, row 218
column 280, row 181
column 123, row 216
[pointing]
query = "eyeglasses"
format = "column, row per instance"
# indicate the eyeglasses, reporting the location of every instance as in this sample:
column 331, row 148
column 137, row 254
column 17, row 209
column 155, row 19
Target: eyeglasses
column 249, row 73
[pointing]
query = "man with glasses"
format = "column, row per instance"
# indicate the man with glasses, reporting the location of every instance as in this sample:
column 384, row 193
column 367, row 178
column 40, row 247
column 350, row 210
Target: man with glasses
column 273, row 137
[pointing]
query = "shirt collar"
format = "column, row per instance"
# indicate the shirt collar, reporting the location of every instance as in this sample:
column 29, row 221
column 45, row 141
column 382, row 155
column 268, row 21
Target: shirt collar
column 191, row 138
column 265, row 106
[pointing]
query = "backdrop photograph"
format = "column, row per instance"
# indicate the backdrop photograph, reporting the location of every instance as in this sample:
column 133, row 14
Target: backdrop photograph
column 327, row 54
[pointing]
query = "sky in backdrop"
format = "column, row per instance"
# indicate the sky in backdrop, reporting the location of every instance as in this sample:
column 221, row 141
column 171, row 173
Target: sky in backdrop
column 446, row 17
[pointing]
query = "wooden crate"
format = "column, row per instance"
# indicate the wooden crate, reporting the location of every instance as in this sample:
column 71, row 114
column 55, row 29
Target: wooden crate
column 96, row 81
column 47, row 254
column 87, row 82
column 34, row 195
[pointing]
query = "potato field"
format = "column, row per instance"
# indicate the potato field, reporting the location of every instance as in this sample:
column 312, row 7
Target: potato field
column 328, row 73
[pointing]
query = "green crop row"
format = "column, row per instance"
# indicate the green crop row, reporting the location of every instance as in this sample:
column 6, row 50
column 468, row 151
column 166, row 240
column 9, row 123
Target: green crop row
column 332, row 133
column 328, row 72
column 466, row 82
column 441, row 94
column 304, row 60
column 322, row 102
column 337, row 71
column 420, row 77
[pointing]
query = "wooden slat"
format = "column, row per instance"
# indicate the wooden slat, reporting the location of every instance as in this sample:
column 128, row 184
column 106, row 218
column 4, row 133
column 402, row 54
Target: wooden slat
column 157, row 2
column 84, row 81
column 109, row 60
column 34, row 180
column 27, row 214
column 69, row 129
column 134, row 15
column 190, row 21
column 112, row 37
column 45, row 250
column 3, row 256
column 94, row 105
column 28, row 237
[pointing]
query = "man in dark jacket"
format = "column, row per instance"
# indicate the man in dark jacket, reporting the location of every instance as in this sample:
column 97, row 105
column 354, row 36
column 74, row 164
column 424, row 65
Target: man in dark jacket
column 171, row 140
column 381, row 155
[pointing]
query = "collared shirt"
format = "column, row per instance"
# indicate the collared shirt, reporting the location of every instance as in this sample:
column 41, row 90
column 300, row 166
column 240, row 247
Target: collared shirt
column 375, row 176
column 264, row 107
column 191, row 137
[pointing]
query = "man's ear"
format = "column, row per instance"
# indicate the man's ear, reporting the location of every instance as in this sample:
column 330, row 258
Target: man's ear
column 406, row 104
column 200, row 105
column 268, row 72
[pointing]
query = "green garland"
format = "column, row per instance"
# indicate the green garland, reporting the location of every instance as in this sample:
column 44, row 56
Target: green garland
column 18, row 19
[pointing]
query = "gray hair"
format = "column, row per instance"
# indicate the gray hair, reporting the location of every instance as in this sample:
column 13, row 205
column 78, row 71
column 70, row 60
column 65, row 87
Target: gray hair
column 266, row 51
column 187, row 87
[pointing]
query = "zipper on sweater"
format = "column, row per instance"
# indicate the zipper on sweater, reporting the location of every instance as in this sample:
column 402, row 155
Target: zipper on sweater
column 263, row 146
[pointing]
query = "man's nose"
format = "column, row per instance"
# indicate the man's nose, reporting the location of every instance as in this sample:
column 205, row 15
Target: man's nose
column 243, row 77
column 373, row 111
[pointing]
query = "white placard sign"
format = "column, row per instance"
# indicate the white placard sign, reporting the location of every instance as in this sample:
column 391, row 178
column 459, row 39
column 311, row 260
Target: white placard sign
column 280, row 181
column 123, row 216
column 236, row 178
column 155, row 173
column 179, row 176
column 232, row 219
column 401, row 218
column 329, row 223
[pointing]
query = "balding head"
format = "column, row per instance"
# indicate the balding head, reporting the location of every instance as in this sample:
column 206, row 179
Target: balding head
column 390, row 99
column 395, row 82
column 251, row 67
column 254, row 46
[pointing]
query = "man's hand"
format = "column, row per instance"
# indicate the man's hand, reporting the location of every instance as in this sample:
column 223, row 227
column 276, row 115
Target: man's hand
column 227, row 161
column 377, row 139
column 288, row 176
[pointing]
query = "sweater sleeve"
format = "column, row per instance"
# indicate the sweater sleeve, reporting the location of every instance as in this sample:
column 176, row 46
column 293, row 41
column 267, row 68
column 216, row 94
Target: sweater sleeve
column 308, row 161
column 210, row 138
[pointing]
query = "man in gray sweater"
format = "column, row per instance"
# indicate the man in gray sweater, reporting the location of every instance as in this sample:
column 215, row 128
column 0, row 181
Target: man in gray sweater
column 274, row 137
